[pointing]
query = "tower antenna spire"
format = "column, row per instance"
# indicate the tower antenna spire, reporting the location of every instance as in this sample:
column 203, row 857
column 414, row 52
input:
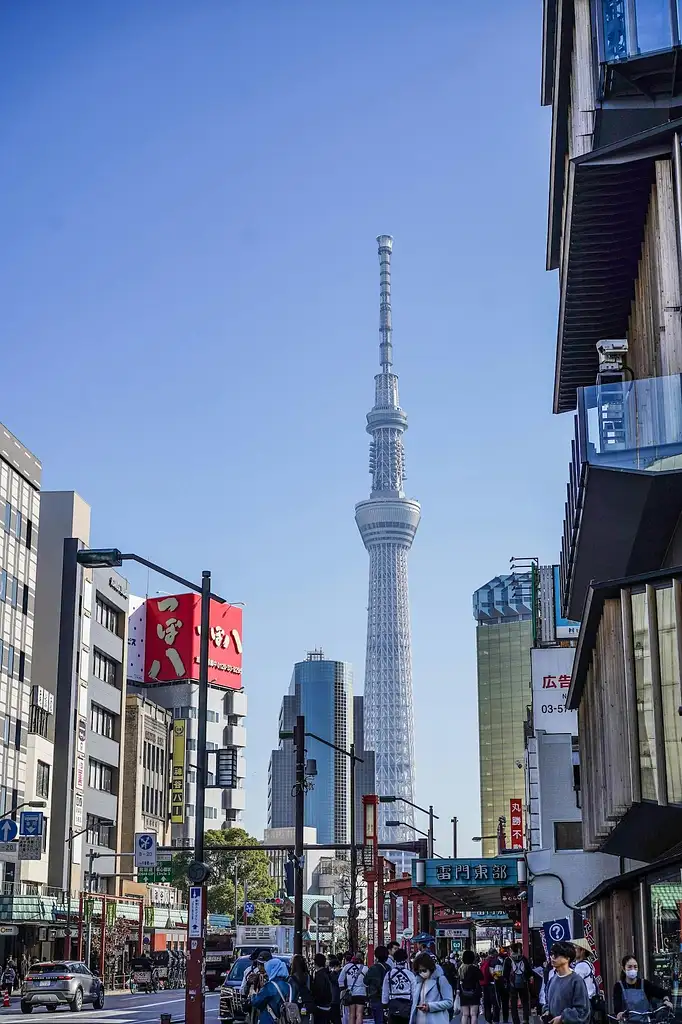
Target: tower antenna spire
column 385, row 326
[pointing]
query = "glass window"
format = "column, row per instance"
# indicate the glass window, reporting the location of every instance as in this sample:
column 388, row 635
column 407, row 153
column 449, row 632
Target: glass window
column 43, row 779
column 7, row 521
column 102, row 721
column 104, row 668
column 3, row 584
column 653, row 25
column 665, row 895
column 17, row 526
column 106, row 615
column 645, row 711
column 100, row 776
column 670, row 692
column 568, row 835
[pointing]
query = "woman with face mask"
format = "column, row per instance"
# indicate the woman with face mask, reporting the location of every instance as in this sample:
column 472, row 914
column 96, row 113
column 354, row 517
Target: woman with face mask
column 432, row 998
column 635, row 993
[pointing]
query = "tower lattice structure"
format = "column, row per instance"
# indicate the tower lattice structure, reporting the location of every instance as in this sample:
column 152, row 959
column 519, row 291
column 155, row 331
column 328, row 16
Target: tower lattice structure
column 388, row 521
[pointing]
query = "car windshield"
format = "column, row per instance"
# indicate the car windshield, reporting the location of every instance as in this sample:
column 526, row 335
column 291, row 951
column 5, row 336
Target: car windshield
column 238, row 968
column 51, row 968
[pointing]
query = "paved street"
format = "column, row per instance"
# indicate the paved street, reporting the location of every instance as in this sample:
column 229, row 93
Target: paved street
column 121, row 1009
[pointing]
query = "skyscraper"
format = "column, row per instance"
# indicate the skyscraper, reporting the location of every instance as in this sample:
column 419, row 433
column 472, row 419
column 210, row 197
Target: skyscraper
column 322, row 691
column 388, row 521
column 504, row 637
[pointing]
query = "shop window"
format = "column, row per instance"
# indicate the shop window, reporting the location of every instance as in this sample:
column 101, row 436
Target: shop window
column 644, row 688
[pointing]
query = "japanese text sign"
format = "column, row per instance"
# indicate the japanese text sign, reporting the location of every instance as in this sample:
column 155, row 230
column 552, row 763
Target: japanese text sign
column 496, row 871
column 551, row 669
column 178, row 780
column 173, row 639
column 516, row 823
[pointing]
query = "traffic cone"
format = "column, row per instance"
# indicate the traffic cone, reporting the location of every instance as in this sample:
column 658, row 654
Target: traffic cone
column 5, row 998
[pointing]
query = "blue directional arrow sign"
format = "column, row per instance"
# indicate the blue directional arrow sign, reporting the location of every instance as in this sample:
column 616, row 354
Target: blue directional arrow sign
column 9, row 830
column 31, row 823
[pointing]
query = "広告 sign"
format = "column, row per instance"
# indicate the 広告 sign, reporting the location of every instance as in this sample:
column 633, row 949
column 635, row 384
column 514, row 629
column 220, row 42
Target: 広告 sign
column 551, row 669
column 178, row 781
column 497, row 871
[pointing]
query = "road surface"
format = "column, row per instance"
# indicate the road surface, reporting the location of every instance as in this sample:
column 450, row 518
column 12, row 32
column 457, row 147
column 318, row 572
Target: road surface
column 140, row 1008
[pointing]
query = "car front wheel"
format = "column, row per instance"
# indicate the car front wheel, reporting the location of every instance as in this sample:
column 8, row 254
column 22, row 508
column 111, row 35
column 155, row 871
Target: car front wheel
column 26, row 1007
column 76, row 1003
column 99, row 1001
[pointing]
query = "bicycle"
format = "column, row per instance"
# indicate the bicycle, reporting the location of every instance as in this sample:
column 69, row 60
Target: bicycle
column 661, row 1015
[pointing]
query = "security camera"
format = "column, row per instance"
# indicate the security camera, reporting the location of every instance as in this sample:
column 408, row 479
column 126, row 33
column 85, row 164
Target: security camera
column 519, row 764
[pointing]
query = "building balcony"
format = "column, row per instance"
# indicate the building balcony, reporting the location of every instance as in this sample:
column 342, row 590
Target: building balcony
column 239, row 703
column 234, row 799
column 638, row 43
column 626, row 688
column 624, row 494
column 235, row 736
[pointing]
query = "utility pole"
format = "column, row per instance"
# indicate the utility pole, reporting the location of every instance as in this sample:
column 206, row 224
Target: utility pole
column 299, row 789
column 236, row 896
column 195, row 1002
column 88, row 942
column 353, row 901
column 454, row 837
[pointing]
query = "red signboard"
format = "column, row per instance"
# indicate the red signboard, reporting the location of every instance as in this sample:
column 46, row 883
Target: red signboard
column 516, row 824
column 172, row 641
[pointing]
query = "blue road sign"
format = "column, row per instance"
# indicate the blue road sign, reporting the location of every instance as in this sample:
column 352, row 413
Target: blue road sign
column 249, row 908
column 557, row 931
column 9, row 830
column 31, row 823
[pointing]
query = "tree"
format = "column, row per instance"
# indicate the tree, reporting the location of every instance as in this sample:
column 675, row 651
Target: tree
column 251, row 869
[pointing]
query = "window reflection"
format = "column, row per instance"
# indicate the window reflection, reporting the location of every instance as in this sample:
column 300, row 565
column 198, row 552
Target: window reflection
column 653, row 25
column 645, row 712
column 665, row 898
column 670, row 690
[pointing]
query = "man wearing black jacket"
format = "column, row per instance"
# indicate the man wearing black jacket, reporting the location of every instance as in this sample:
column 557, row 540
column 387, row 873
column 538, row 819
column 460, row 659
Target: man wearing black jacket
column 374, row 980
column 517, row 974
column 322, row 990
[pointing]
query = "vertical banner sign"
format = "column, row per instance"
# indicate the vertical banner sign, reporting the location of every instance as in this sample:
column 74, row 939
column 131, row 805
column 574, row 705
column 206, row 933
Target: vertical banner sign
column 596, row 966
column 516, row 823
column 178, row 783
column 370, row 852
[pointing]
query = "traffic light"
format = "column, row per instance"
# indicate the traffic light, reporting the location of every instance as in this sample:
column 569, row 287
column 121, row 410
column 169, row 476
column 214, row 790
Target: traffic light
column 277, row 901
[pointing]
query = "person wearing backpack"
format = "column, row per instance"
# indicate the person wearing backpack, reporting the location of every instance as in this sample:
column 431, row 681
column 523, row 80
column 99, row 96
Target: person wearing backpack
column 470, row 991
column 353, row 989
column 299, row 976
column 396, row 993
column 517, row 974
column 322, row 990
column 374, row 982
column 276, row 1000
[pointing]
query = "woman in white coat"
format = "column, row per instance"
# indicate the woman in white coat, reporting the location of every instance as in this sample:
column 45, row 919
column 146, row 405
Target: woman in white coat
column 432, row 996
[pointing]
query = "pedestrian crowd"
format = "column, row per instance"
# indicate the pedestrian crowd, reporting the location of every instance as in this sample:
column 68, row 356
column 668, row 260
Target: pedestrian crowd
column 500, row 985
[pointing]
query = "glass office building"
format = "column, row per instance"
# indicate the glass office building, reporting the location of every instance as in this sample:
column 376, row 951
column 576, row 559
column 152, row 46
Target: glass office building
column 322, row 691
column 502, row 609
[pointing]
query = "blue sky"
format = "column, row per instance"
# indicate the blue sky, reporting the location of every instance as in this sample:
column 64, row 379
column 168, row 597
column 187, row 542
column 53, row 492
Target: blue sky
column 190, row 194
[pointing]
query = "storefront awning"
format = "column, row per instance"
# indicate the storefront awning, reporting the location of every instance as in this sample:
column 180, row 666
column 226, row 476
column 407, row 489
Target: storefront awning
column 473, row 887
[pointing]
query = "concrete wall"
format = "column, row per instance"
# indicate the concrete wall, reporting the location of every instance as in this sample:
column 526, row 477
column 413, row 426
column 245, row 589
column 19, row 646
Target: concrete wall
column 577, row 871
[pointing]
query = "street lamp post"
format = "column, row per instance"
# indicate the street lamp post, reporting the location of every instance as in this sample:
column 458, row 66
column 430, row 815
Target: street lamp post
column 352, row 902
column 298, row 736
column 110, row 558
column 429, row 811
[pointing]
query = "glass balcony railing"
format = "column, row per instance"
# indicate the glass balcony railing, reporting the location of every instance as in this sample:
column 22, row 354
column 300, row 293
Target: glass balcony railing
column 633, row 28
column 633, row 425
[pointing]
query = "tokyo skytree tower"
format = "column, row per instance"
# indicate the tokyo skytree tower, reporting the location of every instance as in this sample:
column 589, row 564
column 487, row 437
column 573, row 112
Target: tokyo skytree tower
column 388, row 521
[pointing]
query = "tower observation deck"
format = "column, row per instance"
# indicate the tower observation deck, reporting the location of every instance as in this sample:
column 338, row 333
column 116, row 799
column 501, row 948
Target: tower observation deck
column 388, row 522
